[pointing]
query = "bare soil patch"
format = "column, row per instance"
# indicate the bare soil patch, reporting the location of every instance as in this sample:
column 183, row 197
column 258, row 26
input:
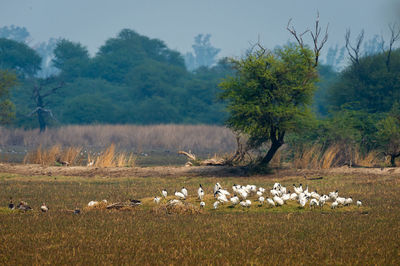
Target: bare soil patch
column 177, row 171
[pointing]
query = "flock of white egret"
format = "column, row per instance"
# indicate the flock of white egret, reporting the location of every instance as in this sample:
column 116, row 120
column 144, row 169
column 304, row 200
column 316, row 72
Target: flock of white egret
column 277, row 196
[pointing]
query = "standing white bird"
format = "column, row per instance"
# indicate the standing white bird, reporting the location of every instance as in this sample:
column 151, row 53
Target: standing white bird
column 245, row 203
column 215, row 205
column 341, row 200
column 221, row 197
column 242, row 193
column 285, row 197
column 348, row 201
column 313, row 203
column 315, row 195
column 275, row 192
column 202, row 204
column 359, row 203
column 333, row 195
column 184, row 191
column 261, row 200
column 224, row 191
column 216, row 187
column 303, row 201
column 164, row 193
column 157, row 200
column 270, row 202
column 44, row 208
column 248, row 203
column 334, row 205
column 180, row 195
column 253, row 188
column 259, row 193
column 293, row 196
column 261, row 189
column 200, row 192
column 235, row 200
column 277, row 186
column 298, row 190
column 235, row 188
column 278, row 200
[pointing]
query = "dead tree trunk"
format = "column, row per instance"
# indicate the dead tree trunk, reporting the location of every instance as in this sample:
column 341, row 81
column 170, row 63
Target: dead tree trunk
column 39, row 98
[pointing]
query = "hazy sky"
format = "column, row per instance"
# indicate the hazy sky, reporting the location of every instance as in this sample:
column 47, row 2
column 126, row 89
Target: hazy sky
column 232, row 23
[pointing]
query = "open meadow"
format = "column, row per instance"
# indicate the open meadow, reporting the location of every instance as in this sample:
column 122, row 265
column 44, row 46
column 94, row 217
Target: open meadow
column 149, row 234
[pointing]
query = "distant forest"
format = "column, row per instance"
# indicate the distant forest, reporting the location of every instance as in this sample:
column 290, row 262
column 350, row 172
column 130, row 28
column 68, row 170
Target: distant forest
column 133, row 79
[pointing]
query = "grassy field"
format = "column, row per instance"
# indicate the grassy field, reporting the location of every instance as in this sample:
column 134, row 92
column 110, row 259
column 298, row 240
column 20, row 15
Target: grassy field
column 148, row 235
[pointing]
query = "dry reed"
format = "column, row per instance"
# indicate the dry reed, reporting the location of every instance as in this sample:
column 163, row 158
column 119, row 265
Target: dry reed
column 198, row 138
column 336, row 155
column 109, row 158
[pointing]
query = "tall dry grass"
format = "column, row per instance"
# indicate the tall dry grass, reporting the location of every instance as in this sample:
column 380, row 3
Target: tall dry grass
column 336, row 155
column 73, row 156
column 53, row 155
column 198, row 138
column 109, row 158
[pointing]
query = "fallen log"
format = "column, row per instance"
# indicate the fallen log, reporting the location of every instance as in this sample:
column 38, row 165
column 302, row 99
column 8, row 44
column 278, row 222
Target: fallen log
column 194, row 161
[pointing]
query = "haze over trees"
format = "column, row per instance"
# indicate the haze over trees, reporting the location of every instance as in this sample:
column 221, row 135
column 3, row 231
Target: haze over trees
column 133, row 79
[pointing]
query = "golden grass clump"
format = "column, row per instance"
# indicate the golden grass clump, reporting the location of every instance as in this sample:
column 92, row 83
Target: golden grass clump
column 53, row 155
column 371, row 159
column 43, row 156
column 336, row 155
column 307, row 157
column 106, row 159
column 109, row 158
column 70, row 154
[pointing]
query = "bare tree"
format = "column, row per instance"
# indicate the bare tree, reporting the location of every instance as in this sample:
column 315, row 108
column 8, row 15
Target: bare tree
column 318, row 40
column 354, row 51
column 39, row 94
column 394, row 37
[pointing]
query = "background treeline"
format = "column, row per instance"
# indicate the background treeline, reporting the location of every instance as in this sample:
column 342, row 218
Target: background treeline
column 133, row 79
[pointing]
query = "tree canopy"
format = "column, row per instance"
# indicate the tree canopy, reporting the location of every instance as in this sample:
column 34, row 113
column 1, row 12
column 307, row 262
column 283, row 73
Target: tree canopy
column 7, row 108
column 269, row 92
column 18, row 57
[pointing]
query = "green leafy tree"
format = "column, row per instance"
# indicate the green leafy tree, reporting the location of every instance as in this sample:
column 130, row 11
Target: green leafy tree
column 19, row 57
column 271, row 91
column 389, row 134
column 7, row 109
column 71, row 58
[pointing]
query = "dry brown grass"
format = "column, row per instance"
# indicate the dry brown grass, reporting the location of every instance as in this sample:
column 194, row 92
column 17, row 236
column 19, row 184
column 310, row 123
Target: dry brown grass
column 43, row 156
column 53, row 155
column 307, row 157
column 198, row 138
column 314, row 157
column 109, row 158
column 73, row 156
column 371, row 159
column 227, row 236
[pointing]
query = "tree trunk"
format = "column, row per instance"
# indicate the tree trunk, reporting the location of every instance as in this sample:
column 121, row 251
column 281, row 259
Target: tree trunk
column 276, row 143
column 42, row 122
column 393, row 159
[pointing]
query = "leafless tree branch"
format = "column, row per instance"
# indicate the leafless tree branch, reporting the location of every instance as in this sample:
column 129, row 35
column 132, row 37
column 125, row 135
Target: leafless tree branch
column 394, row 37
column 354, row 51
column 318, row 43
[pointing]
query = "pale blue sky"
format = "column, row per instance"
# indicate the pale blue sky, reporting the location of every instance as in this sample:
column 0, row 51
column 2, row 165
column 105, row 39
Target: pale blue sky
column 232, row 23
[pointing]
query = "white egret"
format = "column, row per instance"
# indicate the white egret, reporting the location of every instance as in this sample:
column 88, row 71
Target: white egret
column 164, row 193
